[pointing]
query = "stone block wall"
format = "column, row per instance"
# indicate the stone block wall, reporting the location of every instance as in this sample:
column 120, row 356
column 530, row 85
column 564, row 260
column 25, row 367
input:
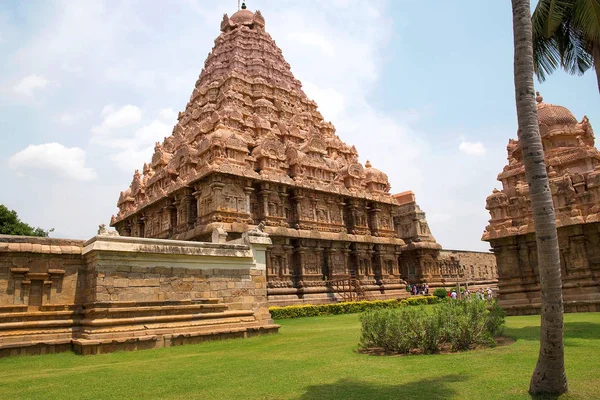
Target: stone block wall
column 112, row 293
column 40, row 271
column 519, row 285
column 475, row 268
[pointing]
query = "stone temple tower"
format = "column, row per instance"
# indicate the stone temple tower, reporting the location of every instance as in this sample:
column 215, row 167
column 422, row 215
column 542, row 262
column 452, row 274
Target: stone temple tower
column 573, row 165
column 252, row 150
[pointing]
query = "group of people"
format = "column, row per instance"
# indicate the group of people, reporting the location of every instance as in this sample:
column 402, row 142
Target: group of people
column 420, row 289
column 480, row 294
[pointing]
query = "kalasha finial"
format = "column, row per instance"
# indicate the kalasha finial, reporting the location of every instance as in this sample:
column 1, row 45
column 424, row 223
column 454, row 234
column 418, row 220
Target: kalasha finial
column 538, row 97
column 368, row 164
column 243, row 5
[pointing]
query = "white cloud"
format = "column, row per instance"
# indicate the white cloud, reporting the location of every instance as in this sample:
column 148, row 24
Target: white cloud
column 71, row 118
column 314, row 40
column 331, row 102
column 29, row 85
column 472, row 148
column 54, row 157
column 168, row 114
column 118, row 118
column 139, row 149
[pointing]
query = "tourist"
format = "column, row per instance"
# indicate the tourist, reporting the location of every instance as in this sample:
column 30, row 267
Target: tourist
column 414, row 289
column 453, row 294
column 489, row 293
column 426, row 289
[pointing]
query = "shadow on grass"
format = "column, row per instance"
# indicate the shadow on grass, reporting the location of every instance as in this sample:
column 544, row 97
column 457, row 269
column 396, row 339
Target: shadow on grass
column 435, row 388
column 573, row 330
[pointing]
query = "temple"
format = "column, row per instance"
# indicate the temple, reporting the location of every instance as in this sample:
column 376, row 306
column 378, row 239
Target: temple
column 253, row 201
column 252, row 150
column 573, row 165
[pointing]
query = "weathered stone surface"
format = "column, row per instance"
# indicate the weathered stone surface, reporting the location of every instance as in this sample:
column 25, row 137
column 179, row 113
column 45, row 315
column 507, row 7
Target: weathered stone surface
column 251, row 154
column 573, row 165
column 124, row 289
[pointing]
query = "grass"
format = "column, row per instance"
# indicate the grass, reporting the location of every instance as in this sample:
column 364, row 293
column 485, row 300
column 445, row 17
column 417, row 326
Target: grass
column 311, row 358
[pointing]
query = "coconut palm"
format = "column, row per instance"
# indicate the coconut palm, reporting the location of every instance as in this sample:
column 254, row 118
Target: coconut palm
column 566, row 34
column 549, row 375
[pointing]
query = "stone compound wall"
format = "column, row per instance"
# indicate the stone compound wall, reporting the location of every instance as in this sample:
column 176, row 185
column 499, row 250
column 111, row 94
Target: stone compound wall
column 114, row 293
column 478, row 269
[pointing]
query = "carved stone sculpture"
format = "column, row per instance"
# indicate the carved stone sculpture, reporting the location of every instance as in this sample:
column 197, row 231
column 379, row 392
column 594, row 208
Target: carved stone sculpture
column 573, row 164
column 252, row 150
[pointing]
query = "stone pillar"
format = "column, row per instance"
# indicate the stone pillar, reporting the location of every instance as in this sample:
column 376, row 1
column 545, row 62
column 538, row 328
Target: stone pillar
column 298, row 204
column 341, row 204
column 287, row 263
column 374, row 217
column 345, row 256
column 126, row 228
column 217, row 188
column 320, row 260
column 269, row 254
column 264, row 195
column 299, row 270
column 283, row 199
column 140, row 226
column 248, row 192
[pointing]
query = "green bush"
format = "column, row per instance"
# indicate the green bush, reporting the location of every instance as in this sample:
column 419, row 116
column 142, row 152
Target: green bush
column 440, row 293
column 459, row 325
column 496, row 319
column 464, row 324
column 311, row 310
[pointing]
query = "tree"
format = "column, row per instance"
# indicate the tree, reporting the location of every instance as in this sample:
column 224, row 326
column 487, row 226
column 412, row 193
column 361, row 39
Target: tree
column 10, row 224
column 566, row 33
column 549, row 376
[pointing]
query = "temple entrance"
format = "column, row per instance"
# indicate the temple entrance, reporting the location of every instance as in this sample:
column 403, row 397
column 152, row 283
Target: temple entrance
column 35, row 295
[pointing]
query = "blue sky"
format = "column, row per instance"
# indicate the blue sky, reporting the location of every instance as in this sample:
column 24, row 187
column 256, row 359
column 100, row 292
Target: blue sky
column 423, row 89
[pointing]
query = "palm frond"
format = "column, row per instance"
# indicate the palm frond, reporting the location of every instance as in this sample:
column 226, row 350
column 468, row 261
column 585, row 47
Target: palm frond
column 586, row 19
column 546, row 57
column 573, row 48
column 548, row 15
column 546, row 20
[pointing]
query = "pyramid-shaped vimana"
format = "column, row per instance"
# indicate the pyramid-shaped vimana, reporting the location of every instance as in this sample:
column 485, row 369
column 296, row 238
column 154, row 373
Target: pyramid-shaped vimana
column 250, row 147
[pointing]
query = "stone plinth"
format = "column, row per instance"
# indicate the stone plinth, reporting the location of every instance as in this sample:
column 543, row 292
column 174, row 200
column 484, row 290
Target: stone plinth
column 129, row 293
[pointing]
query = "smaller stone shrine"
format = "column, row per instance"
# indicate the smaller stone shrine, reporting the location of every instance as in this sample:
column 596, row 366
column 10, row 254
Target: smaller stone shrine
column 573, row 165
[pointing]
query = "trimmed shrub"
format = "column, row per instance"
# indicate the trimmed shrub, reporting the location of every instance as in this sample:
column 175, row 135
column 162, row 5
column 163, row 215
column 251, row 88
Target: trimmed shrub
column 464, row 324
column 457, row 325
column 440, row 293
column 310, row 310
column 496, row 319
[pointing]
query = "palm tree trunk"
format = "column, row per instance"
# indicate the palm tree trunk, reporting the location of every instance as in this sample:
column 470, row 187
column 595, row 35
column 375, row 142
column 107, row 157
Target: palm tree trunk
column 549, row 375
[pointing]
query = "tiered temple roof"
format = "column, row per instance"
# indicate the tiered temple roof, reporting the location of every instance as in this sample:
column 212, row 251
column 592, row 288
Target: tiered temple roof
column 573, row 165
column 249, row 117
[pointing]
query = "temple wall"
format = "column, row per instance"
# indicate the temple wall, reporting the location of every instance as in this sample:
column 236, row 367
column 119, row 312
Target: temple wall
column 476, row 267
column 114, row 293
column 35, row 271
column 519, row 286
column 177, row 271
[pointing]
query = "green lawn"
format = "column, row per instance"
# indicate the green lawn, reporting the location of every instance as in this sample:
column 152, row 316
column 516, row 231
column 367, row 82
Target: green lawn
column 311, row 358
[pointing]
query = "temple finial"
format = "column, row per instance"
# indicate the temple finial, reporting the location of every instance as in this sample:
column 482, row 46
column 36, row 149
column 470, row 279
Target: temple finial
column 243, row 5
column 538, row 97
